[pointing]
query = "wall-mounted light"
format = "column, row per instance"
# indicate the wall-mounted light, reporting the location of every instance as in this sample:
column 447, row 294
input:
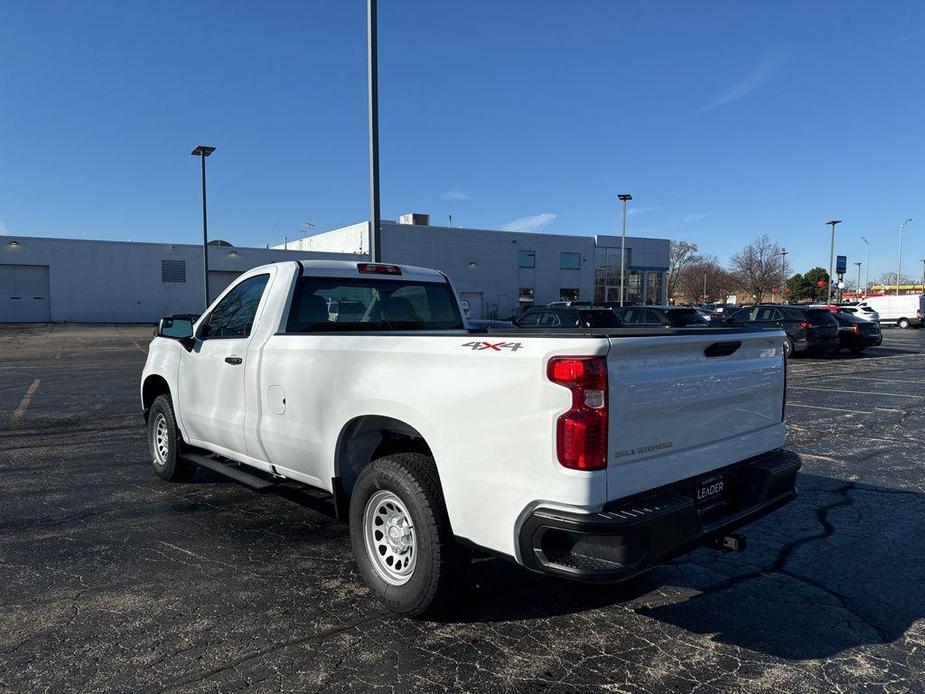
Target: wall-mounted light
column 473, row 265
column 14, row 243
column 232, row 254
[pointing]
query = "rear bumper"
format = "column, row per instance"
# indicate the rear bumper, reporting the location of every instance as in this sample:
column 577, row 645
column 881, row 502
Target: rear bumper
column 629, row 537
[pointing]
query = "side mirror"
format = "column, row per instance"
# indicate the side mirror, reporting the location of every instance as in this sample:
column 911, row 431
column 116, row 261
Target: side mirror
column 178, row 328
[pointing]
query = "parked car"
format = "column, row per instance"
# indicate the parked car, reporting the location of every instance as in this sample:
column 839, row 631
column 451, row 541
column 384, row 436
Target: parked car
column 856, row 333
column 667, row 316
column 865, row 312
column 591, row 459
column 808, row 329
column 906, row 311
column 576, row 302
column 579, row 316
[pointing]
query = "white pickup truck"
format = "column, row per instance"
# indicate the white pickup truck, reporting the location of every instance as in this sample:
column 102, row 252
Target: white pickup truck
column 592, row 454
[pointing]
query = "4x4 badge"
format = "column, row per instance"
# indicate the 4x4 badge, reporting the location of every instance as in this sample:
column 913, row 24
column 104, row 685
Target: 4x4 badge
column 496, row 346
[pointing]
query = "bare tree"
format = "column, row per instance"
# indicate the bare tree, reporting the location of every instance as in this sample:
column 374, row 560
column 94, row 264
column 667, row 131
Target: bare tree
column 704, row 279
column 680, row 254
column 759, row 267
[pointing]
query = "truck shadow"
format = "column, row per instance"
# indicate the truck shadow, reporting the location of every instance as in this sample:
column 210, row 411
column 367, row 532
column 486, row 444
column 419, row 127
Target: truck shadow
column 839, row 568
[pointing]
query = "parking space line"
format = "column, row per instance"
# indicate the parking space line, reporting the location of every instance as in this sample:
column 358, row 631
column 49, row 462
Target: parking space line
column 26, row 399
column 878, row 380
column 843, row 409
column 856, row 392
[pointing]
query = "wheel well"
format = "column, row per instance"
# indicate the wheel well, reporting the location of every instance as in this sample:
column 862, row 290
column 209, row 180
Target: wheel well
column 154, row 385
column 364, row 439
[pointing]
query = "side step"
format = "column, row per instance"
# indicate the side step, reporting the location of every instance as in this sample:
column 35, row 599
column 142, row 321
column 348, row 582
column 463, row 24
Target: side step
column 258, row 484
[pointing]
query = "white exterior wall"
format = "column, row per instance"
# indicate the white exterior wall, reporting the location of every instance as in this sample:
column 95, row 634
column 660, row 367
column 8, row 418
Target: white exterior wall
column 485, row 262
column 120, row 282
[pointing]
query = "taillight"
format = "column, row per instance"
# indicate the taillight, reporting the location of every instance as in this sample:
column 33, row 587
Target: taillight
column 379, row 269
column 581, row 433
column 805, row 324
column 857, row 329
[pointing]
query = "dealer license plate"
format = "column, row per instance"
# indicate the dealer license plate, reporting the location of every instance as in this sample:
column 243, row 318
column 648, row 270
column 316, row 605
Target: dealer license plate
column 711, row 490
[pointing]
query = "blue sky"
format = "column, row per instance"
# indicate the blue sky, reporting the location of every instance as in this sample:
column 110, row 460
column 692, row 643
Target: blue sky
column 724, row 119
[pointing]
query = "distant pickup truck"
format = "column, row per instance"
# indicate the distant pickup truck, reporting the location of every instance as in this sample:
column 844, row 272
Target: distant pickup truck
column 592, row 454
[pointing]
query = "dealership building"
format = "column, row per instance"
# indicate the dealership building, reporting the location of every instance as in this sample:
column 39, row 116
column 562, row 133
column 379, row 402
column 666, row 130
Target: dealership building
column 499, row 273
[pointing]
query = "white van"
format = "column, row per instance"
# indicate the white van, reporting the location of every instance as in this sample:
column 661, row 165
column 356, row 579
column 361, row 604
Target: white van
column 905, row 311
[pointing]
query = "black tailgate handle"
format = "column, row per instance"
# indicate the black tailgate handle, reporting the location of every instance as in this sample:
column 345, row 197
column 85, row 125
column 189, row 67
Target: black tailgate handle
column 722, row 349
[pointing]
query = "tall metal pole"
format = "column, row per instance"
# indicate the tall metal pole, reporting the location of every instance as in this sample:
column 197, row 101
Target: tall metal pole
column 899, row 269
column 833, row 222
column 783, row 272
column 625, row 197
column 923, row 275
column 203, row 151
column 858, row 293
column 704, row 300
column 372, row 74
column 866, row 267
column 205, row 235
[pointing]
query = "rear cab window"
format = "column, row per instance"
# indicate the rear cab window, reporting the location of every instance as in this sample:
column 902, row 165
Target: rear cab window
column 328, row 304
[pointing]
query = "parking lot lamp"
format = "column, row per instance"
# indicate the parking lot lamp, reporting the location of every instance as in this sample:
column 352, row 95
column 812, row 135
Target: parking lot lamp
column 859, row 280
column 899, row 270
column 625, row 197
column 833, row 222
column 923, row 275
column 866, row 267
column 203, row 151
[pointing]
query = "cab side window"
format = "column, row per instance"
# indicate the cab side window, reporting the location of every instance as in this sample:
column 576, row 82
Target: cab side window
column 234, row 315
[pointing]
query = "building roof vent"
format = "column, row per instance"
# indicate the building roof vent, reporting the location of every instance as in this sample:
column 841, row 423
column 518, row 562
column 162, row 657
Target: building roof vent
column 221, row 242
column 415, row 218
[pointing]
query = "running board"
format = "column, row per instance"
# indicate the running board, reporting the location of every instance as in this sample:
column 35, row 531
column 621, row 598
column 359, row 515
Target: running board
column 258, row 484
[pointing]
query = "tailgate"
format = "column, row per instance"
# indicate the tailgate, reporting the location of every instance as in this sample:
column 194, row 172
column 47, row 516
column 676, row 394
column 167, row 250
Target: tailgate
column 682, row 405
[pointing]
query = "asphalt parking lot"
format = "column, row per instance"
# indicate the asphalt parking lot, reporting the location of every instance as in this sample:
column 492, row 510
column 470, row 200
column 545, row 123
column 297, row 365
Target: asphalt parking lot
column 115, row 581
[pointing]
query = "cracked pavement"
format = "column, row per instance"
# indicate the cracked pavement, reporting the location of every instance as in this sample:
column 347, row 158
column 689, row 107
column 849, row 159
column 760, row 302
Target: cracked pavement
column 115, row 581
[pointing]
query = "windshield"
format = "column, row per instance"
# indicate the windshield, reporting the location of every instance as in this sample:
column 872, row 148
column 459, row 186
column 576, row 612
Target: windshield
column 325, row 304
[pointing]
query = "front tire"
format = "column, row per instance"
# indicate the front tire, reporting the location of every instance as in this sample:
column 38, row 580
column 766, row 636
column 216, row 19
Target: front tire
column 401, row 535
column 903, row 323
column 788, row 347
column 165, row 443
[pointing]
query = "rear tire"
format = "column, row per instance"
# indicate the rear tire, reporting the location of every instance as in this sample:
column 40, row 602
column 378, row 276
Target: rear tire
column 788, row 347
column 165, row 443
column 401, row 535
column 903, row 323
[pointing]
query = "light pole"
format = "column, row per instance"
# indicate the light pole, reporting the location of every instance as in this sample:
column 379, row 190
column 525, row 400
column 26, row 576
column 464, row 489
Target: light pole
column 372, row 78
column 203, row 151
column 923, row 275
column 783, row 272
column 704, row 299
column 899, row 270
column 833, row 222
column 625, row 197
column 859, row 280
column 866, row 267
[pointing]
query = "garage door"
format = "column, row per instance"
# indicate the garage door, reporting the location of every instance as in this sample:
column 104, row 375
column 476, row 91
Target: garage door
column 24, row 294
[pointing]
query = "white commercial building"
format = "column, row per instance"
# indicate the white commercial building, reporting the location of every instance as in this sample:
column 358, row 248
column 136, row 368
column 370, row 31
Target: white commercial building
column 501, row 272
column 498, row 272
column 73, row 280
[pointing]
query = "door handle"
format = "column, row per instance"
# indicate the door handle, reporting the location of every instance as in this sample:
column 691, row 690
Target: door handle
column 233, row 360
